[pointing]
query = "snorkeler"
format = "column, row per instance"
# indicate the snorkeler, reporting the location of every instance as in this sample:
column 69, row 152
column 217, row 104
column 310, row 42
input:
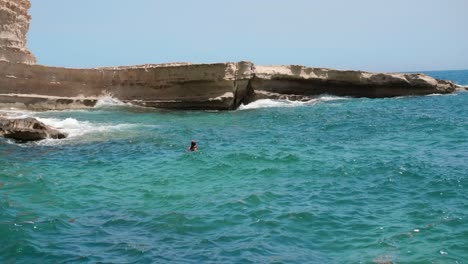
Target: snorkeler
column 193, row 146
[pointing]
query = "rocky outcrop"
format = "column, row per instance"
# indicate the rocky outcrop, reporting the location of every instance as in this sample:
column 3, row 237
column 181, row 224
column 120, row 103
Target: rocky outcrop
column 296, row 81
column 28, row 129
column 218, row 86
column 14, row 25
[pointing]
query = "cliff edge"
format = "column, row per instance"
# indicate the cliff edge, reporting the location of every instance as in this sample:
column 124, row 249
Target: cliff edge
column 217, row 86
column 14, row 25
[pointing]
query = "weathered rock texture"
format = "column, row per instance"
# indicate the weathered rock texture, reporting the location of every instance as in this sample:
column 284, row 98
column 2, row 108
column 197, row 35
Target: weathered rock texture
column 180, row 86
column 219, row 86
column 28, row 129
column 295, row 80
column 14, row 25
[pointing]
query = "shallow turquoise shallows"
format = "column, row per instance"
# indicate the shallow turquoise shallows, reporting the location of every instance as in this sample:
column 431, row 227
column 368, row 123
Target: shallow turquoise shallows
column 333, row 180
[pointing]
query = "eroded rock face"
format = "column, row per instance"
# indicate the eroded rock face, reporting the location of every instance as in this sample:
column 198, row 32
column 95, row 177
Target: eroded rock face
column 296, row 81
column 217, row 86
column 14, row 25
column 28, row 129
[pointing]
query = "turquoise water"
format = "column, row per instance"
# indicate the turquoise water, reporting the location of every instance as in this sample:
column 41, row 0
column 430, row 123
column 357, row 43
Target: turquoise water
column 334, row 180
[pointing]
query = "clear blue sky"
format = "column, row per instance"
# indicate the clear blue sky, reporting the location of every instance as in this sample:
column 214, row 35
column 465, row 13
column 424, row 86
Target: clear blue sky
column 375, row 35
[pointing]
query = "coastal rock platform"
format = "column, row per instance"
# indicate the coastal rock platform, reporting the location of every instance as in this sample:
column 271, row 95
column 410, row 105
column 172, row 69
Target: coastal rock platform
column 218, row 86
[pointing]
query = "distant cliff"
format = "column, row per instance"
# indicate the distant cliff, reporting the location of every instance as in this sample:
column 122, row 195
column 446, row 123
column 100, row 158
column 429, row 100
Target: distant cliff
column 14, row 25
column 217, row 86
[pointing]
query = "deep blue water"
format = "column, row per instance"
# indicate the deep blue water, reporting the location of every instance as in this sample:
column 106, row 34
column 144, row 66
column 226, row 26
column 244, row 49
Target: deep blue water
column 334, row 180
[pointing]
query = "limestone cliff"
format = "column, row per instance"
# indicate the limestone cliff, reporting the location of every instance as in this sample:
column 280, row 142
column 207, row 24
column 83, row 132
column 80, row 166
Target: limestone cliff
column 217, row 86
column 295, row 80
column 14, row 25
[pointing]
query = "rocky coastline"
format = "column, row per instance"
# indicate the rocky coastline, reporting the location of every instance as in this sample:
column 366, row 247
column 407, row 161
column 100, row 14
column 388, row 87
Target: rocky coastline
column 185, row 86
column 218, row 86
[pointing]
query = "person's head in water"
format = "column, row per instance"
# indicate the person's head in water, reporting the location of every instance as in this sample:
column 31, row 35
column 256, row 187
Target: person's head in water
column 193, row 146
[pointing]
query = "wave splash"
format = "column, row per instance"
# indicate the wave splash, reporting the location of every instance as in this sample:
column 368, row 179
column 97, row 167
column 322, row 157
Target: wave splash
column 76, row 128
column 80, row 130
column 271, row 103
column 108, row 101
column 71, row 126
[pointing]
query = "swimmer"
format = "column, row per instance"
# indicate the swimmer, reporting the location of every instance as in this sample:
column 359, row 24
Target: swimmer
column 193, row 146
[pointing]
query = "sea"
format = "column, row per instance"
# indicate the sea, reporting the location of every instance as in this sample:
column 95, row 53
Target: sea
column 330, row 180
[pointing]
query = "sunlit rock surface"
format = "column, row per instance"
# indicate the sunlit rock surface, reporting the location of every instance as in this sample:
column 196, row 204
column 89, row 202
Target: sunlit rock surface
column 216, row 86
column 14, row 25
column 28, row 129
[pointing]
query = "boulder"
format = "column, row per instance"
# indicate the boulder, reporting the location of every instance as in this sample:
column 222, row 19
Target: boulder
column 28, row 129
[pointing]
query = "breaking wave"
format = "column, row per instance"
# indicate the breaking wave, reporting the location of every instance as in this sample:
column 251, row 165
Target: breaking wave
column 271, row 103
column 78, row 130
column 13, row 113
column 109, row 101
column 75, row 128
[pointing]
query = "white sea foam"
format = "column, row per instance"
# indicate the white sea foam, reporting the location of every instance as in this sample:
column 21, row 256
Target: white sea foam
column 14, row 113
column 326, row 98
column 270, row 103
column 75, row 128
column 450, row 94
column 107, row 101
column 86, row 132
column 78, row 130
